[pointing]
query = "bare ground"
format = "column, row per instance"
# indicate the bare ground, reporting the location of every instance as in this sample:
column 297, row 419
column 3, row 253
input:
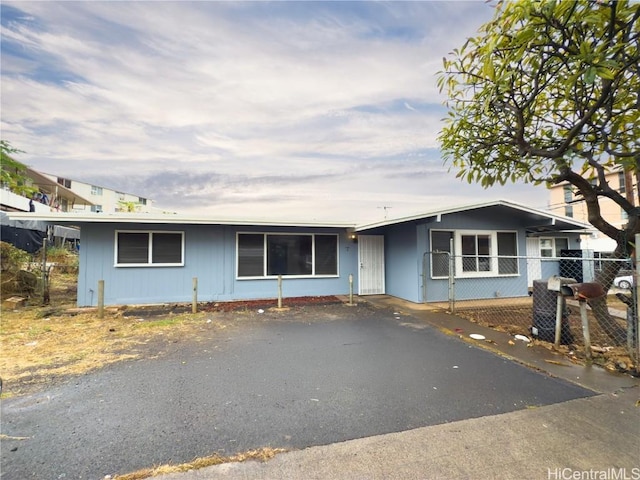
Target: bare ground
column 44, row 344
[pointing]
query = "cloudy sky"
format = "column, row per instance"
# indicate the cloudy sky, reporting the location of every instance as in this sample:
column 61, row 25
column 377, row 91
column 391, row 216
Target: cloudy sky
column 324, row 110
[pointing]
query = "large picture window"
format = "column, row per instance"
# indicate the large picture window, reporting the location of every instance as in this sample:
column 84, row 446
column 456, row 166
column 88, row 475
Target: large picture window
column 475, row 253
column 269, row 255
column 135, row 248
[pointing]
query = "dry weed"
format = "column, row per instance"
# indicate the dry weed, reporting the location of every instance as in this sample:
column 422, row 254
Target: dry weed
column 39, row 344
column 262, row 455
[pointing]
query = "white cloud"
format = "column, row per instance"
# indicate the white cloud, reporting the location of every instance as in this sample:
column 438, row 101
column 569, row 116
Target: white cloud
column 286, row 105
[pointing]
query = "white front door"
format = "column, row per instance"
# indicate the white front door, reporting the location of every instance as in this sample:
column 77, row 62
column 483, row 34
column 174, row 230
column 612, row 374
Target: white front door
column 534, row 265
column 371, row 260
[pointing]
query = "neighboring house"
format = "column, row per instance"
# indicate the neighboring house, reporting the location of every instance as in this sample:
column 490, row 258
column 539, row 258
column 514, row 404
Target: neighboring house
column 564, row 201
column 103, row 200
column 146, row 259
column 51, row 196
column 57, row 194
column 28, row 233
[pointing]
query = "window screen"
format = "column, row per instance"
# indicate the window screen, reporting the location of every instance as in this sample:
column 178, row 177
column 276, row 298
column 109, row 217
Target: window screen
column 440, row 242
column 250, row 255
column 167, row 248
column 133, row 247
column 149, row 248
column 507, row 247
column 326, row 254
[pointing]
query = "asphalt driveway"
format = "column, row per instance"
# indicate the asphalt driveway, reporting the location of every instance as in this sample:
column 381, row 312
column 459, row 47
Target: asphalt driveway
column 310, row 376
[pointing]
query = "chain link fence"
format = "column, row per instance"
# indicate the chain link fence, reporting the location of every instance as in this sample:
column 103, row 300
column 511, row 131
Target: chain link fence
column 594, row 324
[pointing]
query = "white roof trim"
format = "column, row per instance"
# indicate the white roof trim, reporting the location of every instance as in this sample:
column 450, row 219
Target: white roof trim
column 168, row 219
column 461, row 208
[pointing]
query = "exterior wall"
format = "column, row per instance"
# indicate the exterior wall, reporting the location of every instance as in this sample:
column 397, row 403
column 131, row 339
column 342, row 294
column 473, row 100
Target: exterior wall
column 402, row 269
column 549, row 268
column 210, row 255
column 408, row 260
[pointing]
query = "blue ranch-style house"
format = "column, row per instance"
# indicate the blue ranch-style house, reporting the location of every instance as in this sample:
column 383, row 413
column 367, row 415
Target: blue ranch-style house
column 148, row 259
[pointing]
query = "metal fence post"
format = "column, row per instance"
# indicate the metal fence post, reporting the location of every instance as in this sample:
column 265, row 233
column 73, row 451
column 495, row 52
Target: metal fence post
column 452, row 283
column 636, row 280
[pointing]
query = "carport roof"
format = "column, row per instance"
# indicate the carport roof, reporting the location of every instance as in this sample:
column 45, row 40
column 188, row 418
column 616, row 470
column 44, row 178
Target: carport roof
column 539, row 221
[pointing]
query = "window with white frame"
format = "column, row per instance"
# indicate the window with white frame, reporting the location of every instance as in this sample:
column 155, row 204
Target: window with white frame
column 551, row 247
column 273, row 254
column 475, row 253
column 149, row 248
column 96, row 190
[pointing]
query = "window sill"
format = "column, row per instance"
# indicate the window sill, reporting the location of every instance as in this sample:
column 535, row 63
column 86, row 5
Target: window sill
column 287, row 277
column 152, row 265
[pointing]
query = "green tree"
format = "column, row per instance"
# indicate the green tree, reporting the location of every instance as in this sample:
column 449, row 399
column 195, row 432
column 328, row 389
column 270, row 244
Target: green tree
column 13, row 172
column 549, row 92
column 128, row 206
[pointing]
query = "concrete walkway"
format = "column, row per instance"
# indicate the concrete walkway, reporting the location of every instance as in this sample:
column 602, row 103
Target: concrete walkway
column 596, row 437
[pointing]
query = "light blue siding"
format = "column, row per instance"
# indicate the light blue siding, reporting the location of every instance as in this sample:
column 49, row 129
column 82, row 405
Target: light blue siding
column 549, row 268
column 402, row 263
column 210, row 256
column 408, row 269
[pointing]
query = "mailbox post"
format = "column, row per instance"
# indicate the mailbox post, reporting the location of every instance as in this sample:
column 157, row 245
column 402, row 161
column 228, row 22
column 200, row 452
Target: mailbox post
column 555, row 284
column 583, row 292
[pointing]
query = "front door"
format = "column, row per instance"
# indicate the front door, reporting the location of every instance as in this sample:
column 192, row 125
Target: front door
column 534, row 265
column 371, row 260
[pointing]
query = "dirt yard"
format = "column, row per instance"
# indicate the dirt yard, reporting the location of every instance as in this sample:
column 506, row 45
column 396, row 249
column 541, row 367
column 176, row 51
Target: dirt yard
column 517, row 319
column 42, row 344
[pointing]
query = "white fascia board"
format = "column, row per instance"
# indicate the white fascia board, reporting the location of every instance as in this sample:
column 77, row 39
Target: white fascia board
column 79, row 218
column 474, row 206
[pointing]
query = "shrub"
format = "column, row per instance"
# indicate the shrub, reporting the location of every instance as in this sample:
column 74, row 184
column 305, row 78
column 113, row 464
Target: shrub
column 61, row 256
column 12, row 258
